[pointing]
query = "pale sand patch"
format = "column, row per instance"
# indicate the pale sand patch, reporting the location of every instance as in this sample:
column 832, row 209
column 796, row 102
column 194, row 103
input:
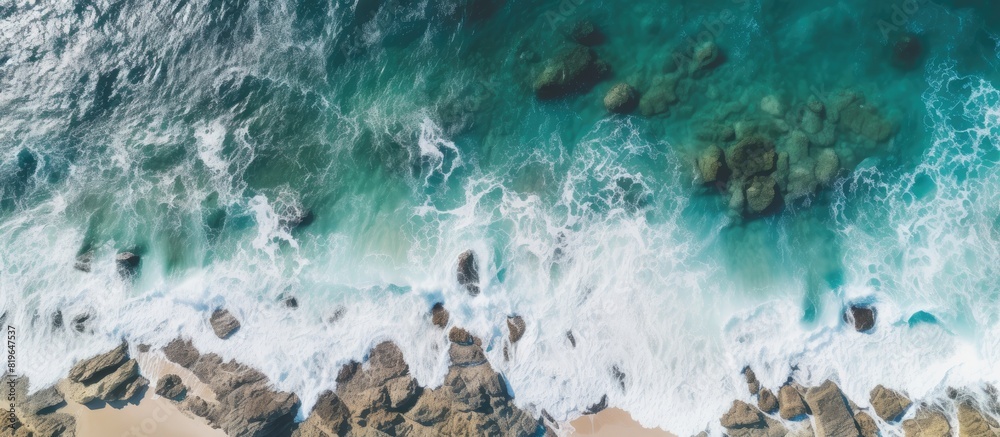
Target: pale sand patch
column 153, row 416
column 613, row 422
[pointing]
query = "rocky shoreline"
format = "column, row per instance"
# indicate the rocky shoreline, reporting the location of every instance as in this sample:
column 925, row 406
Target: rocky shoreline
column 379, row 396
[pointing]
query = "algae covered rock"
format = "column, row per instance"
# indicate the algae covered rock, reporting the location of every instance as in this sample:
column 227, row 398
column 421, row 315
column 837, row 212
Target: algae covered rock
column 573, row 70
column 761, row 194
column 754, row 155
column 660, row 96
column 827, row 166
column 712, row 165
column 622, row 98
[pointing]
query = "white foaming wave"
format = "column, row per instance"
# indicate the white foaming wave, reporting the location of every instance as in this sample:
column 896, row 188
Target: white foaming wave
column 431, row 145
column 936, row 251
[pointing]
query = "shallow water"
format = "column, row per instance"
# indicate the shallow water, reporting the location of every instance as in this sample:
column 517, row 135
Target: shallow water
column 197, row 133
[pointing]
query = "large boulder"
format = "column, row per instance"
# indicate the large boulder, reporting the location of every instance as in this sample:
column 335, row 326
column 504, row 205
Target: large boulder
column 973, row 423
column 181, row 352
column 833, row 417
column 752, row 383
column 712, row 165
column 573, row 70
column 329, row 417
column 827, row 166
column 621, row 98
column 661, row 94
column 927, row 423
column 119, row 382
column 907, row 50
column 889, row 404
column 866, row 425
column 862, row 118
column 91, row 369
column 766, row 401
column 468, row 272
column 744, row 420
column 761, row 193
column 862, row 317
column 791, row 404
column 224, row 323
column 170, row 386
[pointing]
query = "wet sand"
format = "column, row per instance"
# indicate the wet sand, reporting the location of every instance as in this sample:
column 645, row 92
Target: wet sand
column 613, row 422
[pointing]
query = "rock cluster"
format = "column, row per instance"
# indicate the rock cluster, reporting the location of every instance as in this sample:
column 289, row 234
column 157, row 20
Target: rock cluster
column 245, row 405
column 382, row 398
column 786, row 154
column 824, row 411
column 108, row 377
column 37, row 415
column 575, row 69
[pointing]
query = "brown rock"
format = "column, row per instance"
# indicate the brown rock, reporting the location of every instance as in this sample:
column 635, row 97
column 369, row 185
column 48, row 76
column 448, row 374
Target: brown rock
column 888, row 404
column 832, row 415
column 927, row 423
column 224, row 323
column 516, row 327
column 752, row 382
column 866, row 425
column 742, row 415
column 170, row 386
column 181, row 352
column 791, row 403
column 766, row 401
column 86, row 370
column 439, row 315
column 973, row 423
column 460, row 336
column 329, row 417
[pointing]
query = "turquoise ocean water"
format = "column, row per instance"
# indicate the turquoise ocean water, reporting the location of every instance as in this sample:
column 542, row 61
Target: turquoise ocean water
column 198, row 133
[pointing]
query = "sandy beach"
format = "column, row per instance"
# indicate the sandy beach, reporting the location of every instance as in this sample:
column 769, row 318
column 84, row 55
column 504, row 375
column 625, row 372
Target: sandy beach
column 613, row 422
column 149, row 416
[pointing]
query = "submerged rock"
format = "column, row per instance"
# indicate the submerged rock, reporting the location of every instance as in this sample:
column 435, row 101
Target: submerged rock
column 761, row 194
column 573, row 70
column 660, row 96
column 706, row 56
column 907, row 51
column 833, row 417
column 621, row 99
column 468, row 272
column 754, row 155
column 888, row 404
column 80, row 322
column 586, row 32
column 712, row 165
column 827, row 166
column 224, row 323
